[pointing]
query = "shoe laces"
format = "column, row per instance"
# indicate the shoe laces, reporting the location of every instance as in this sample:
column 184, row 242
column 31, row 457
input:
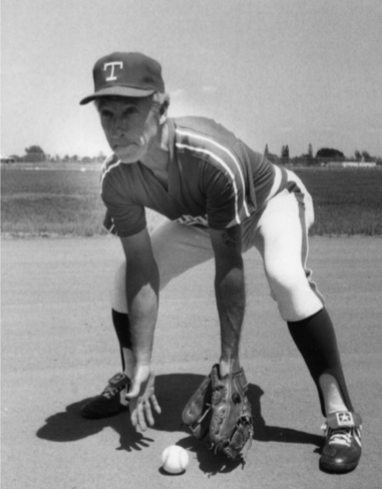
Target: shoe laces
column 341, row 436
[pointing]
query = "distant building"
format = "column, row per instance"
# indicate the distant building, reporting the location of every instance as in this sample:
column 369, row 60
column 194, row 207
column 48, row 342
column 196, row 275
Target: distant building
column 8, row 159
column 351, row 164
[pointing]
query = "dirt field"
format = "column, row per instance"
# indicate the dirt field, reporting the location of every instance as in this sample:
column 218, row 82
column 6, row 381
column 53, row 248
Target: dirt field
column 58, row 348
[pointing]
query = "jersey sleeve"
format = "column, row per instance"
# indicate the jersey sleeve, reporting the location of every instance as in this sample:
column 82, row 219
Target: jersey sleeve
column 124, row 217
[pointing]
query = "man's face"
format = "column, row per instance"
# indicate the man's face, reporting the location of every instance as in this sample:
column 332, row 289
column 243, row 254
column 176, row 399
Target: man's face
column 130, row 124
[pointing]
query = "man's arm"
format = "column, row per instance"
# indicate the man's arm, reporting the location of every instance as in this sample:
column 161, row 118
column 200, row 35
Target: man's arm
column 142, row 291
column 230, row 293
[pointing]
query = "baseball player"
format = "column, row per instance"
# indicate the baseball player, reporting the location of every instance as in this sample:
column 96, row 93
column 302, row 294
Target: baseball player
column 221, row 198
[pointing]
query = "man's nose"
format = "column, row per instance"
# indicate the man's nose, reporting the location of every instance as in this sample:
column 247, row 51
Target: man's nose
column 118, row 127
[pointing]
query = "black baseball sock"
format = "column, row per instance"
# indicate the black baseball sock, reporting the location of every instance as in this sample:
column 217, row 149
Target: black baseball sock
column 316, row 339
column 122, row 328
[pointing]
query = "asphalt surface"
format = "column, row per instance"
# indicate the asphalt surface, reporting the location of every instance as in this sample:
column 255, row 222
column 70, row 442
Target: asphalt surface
column 58, row 349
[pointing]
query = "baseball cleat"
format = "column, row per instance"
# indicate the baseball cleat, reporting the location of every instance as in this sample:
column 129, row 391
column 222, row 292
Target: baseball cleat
column 108, row 403
column 342, row 449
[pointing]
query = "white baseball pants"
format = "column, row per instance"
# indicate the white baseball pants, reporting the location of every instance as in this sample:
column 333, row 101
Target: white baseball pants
column 279, row 232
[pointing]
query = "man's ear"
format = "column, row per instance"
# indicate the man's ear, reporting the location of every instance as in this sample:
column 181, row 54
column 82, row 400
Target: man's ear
column 164, row 109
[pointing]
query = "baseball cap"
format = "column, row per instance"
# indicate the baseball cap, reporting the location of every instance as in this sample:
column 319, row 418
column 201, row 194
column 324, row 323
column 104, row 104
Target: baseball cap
column 126, row 75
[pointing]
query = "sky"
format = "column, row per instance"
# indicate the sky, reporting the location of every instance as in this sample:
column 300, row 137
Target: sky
column 276, row 72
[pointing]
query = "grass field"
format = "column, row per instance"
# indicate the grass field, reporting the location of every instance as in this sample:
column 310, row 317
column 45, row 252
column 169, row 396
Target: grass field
column 44, row 202
column 347, row 202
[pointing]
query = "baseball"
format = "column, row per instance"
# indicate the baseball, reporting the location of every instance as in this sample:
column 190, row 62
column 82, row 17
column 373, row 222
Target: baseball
column 174, row 459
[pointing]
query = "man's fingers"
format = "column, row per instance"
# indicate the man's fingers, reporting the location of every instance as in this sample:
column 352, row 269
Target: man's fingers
column 142, row 402
column 141, row 416
column 149, row 414
column 141, row 413
column 155, row 404
column 134, row 417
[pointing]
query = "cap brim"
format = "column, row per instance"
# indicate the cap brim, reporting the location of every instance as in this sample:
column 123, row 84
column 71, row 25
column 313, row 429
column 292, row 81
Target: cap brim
column 117, row 91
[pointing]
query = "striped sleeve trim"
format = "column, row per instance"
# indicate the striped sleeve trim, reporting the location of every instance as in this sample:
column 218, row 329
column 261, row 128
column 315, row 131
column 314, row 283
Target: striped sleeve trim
column 108, row 166
column 213, row 154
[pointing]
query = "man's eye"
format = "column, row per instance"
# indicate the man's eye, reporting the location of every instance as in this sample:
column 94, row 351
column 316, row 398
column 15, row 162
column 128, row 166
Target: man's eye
column 106, row 114
column 130, row 111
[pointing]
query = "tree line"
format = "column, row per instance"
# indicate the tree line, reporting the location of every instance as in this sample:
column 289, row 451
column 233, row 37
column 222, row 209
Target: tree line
column 321, row 154
column 35, row 153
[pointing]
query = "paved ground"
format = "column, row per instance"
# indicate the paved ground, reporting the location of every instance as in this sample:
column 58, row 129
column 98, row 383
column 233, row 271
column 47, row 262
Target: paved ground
column 58, row 349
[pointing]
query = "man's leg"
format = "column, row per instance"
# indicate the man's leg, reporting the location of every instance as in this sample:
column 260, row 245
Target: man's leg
column 282, row 240
column 177, row 248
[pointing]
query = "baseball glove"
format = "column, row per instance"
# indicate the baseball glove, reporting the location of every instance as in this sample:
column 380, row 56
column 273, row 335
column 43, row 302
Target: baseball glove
column 197, row 413
column 220, row 411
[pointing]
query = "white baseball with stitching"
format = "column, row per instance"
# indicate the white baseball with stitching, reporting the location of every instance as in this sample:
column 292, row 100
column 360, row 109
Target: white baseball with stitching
column 174, row 459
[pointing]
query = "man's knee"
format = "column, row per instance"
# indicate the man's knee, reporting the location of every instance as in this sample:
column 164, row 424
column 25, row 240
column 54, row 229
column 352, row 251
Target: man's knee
column 294, row 296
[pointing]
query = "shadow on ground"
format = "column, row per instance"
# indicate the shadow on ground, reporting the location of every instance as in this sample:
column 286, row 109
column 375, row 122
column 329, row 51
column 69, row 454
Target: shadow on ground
column 173, row 392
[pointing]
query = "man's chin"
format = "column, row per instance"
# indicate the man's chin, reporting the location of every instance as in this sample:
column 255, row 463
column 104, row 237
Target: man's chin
column 127, row 157
column 127, row 161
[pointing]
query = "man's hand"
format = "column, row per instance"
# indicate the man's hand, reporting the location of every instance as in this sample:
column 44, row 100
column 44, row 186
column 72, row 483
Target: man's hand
column 142, row 398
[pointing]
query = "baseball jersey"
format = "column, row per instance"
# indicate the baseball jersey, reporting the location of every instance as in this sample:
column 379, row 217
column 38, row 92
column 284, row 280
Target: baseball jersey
column 214, row 180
